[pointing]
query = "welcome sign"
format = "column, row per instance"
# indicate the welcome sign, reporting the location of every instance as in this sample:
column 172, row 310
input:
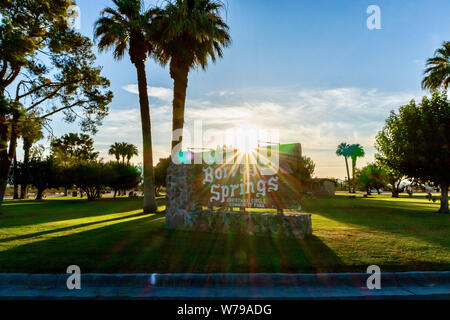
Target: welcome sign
column 244, row 185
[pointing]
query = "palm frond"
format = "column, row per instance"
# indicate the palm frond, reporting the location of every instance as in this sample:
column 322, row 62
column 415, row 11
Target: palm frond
column 437, row 72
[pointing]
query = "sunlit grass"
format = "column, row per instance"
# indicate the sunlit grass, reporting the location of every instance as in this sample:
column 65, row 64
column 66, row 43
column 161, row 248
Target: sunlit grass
column 114, row 235
column 21, row 235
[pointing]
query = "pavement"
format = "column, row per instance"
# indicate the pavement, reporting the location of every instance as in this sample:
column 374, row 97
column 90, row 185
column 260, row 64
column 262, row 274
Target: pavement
column 398, row 285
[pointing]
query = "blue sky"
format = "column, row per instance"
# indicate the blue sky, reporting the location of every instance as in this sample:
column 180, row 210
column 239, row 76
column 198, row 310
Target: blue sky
column 311, row 69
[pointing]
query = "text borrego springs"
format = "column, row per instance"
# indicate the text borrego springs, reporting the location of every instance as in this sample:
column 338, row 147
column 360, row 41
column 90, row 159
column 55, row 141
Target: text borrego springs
column 219, row 192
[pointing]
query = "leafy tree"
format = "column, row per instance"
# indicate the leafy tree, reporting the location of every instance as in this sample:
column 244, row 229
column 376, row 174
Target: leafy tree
column 417, row 143
column 371, row 177
column 24, row 29
column 123, row 176
column 31, row 131
column 193, row 31
column 306, row 168
column 73, row 147
column 43, row 174
column 49, row 68
column 130, row 27
column 343, row 150
column 437, row 73
column 393, row 176
column 356, row 151
column 90, row 176
column 161, row 172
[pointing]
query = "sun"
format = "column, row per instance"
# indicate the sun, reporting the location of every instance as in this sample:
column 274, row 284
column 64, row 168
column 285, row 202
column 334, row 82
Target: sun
column 245, row 138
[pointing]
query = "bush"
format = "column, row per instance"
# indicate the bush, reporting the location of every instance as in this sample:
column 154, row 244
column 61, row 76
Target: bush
column 123, row 176
column 92, row 177
column 371, row 177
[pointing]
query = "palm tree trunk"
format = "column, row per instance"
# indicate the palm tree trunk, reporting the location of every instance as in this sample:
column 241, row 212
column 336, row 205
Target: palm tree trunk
column 26, row 161
column 6, row 156
column 353, row 175
column 4, row 171
column 4, row 160
column 444, row 199
column 348, row 175
column 16, row 186
column 149, row 190
column 179, row 74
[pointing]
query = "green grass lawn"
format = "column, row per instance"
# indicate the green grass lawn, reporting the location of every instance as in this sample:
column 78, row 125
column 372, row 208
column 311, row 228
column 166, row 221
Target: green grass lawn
column 115, row 236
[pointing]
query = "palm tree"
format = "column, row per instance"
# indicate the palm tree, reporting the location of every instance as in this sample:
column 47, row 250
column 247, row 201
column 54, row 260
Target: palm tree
column 344, row 150
column 438, row 69
column 130, row 151
column 130, row 27
column 193, row 33
column 356, row 151
column 123, row 150
column 115, row 150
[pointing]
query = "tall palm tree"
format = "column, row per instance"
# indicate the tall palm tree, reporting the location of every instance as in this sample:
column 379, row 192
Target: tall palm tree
column 344, row 150
column 130, row 27
column 194, row 32
column 437, row 73
column 356, row 151
column 115, row 150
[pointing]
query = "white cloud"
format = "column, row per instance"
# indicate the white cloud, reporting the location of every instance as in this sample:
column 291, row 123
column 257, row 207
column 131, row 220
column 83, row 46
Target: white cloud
column 317, row 118
column 125, row 125
column 161, row 93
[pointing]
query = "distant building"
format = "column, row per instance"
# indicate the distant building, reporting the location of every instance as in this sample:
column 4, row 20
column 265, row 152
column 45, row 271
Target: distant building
column 322, row 187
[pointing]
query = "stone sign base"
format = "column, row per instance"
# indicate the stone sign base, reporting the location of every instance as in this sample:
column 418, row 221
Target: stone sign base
column 289, row 225
column 183, row 213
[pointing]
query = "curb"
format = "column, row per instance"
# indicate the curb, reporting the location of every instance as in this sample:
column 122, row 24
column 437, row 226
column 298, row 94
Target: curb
column 225, row 279
column 267, row 285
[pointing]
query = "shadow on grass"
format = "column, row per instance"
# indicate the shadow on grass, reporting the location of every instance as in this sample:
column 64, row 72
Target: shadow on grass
column 144, row 245
column 27, row 212
column 409, row 219
column 71, row 227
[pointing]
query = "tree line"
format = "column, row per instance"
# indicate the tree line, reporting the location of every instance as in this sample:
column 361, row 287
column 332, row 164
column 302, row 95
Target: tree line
column 73, row 162
column 90, row 177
